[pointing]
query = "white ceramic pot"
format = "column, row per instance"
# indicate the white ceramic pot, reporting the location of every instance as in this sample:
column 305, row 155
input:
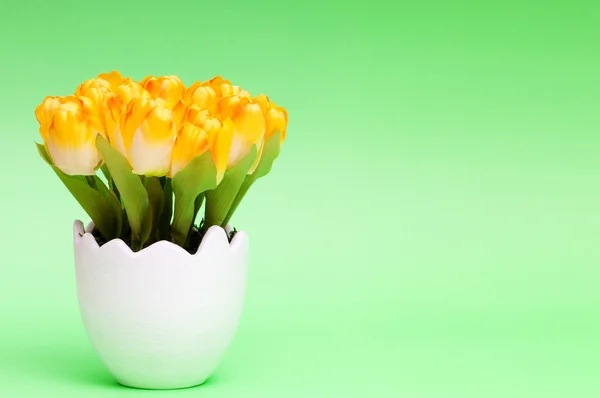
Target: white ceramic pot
column 161, row 318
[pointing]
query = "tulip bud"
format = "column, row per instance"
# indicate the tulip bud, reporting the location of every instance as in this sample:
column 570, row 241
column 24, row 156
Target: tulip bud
column 116, row 106
column 168, row 88
column 205, row 95
column 104, row 82
column 148, row 131
column 93, row 107
column 94, row 93
column 276, row 120
column 249, row 125
column 202, row 96
column 200, row 133
column 44, row 113
column 69, row 137
column 224, row 87
column 170, row 91
column 275, row 117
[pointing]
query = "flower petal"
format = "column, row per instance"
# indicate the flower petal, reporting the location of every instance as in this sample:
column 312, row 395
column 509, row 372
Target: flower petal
column 71, row 144
column 191, row 141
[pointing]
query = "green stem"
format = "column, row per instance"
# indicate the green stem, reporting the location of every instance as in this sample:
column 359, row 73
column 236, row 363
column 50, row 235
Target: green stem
column 164, row 222
column 92, row 182
column 135, row 245
column 111, row 182
column 197, row 205
column 248, row 181
column 182, row 221
column 125, row 229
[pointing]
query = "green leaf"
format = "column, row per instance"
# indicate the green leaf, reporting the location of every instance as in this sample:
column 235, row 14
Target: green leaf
column 133, row 193
column 155, row 195
column 105, row 171
column 164, row 220
column 112, row 199
column 198, row 176
column 125, row 229
column 269, row 154
column 44, row 154
column 197, row 205
column 103, row 209
column 219, row 200
column 111, row 183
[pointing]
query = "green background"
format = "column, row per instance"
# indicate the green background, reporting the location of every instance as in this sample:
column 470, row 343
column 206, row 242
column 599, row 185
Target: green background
column 429, row 230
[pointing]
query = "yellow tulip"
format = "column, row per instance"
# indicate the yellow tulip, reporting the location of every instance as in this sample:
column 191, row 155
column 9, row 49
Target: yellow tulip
column 169, row 90
column 116, row 106
column 93, row 107
column 148, row 131
column 275, row 120
column 114, row 79
column 69, row 137
column 248, row 121
column 205, row 95
column 201, row 95
column 104, row 82
column 44, row 113
column 225, row 88
column 199, row 133
column 94, row 92
column 191, row 141
column 276, row 117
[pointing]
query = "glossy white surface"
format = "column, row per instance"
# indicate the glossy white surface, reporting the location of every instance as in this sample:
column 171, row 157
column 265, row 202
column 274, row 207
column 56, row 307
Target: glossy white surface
column 161, row 318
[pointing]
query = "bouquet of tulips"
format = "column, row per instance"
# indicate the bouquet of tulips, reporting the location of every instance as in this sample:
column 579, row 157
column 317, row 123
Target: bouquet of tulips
column 164, row 149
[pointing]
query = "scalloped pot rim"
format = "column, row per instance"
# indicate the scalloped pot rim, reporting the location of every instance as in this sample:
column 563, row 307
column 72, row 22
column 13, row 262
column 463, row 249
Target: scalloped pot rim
column 215, row 235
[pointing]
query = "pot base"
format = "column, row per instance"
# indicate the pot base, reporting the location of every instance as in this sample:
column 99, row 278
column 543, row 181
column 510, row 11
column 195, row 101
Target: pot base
column 161, row 386
column 161, row 318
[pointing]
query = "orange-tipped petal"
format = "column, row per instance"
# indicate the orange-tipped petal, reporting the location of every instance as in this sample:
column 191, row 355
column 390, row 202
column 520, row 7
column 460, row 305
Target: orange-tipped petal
column 276, row 120
column 221, row 146
column 70, row 138
column 148, row 132
column 191, row 142
column 44, row 113
column 168, row 88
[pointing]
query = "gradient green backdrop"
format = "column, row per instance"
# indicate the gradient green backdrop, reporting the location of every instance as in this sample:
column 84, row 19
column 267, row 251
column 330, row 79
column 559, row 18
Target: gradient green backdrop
column 430, row 229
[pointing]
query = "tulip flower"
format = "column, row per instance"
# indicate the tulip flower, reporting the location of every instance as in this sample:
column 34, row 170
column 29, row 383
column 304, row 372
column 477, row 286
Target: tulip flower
column 94, row 92
column 104, row 81
column 168, row 88
column 201, row 133
column 170, row 91
column 249, row 125
column 148, row 131
column 202, row 96
column 69, row 137
column 93, row 102
column 205, row 95
column 198, row 165
column 116, row 106
column 165, row 151
column 225, row 88
column 275, row 121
